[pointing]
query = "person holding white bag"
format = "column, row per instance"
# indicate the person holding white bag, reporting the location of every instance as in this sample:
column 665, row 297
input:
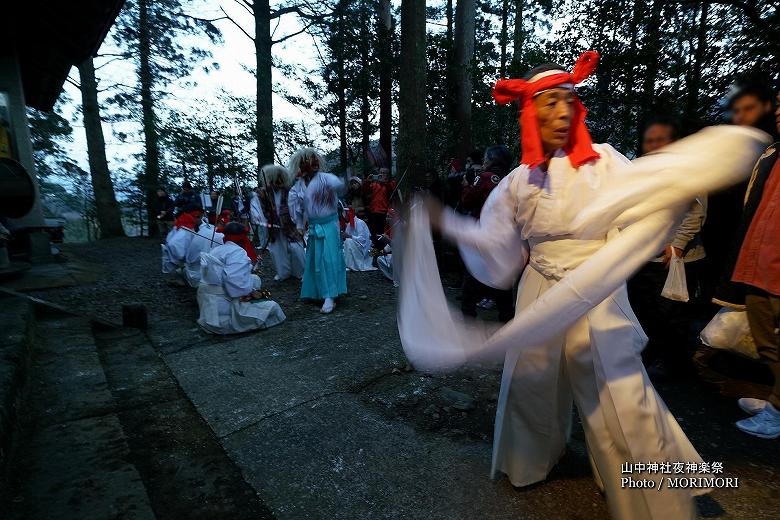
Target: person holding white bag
column 665, row 292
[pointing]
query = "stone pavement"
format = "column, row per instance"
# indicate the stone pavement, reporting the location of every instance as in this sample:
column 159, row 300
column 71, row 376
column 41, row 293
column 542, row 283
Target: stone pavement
column 324, row 419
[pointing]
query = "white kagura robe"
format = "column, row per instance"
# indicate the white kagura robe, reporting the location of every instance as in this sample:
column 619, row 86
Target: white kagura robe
column 357, row 247
column 288, row 255
column 574, row 336
column 226, row 276
column 202, row 242
column 174, row 251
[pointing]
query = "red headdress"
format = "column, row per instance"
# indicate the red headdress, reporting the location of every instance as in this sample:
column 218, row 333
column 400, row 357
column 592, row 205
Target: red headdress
column 242, row 239
column 185, row 220
column 580, row 147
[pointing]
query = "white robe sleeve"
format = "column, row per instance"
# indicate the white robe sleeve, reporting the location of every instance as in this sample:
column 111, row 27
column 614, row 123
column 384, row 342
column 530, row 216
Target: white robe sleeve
column 178, row 243
column 295, row 204
column 237, row 280
column 492, row 247
column 647, row 204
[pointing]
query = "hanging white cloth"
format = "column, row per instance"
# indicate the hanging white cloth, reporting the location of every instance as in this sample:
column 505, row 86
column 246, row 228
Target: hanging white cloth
column 358, row 246
column 574, row 337
column 226, row 276
column 199, row 243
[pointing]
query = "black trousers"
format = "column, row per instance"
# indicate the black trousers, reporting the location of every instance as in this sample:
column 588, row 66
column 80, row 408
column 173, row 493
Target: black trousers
column 376, row 225
column 667, row 323
column 474, row 291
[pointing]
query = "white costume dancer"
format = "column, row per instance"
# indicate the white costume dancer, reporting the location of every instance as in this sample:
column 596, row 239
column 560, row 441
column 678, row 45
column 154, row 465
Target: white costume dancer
column 227, row 287
column 357, row 244
column 582, row 226
column 285, row 241
column 199, row 243
column 174, row 251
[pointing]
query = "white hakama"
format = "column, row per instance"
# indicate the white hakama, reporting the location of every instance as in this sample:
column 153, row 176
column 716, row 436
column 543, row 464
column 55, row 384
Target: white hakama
column 226, row 276
column 574, row 337
column 358, row 247
column 199, row 243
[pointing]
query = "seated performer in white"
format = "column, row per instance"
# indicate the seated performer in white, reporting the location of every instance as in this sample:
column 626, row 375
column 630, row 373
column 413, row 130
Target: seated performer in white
column 228, row 287
column 285, row 241
column 357, row 241
column 205, row 239
column 174, row 251
column 583, row 218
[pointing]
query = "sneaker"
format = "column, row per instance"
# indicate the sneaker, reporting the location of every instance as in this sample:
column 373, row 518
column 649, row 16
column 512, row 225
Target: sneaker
column 766, row 424
column 751, row 405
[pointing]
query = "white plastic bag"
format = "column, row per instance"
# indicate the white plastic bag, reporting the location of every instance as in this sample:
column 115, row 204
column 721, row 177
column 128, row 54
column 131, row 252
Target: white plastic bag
column 676, row 286
column 729, row 330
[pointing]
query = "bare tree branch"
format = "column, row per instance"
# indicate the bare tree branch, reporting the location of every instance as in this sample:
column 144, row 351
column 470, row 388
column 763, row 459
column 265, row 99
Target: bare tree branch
column 73, row 82
column 291, row 35
column 236, row 24
column 246, row 5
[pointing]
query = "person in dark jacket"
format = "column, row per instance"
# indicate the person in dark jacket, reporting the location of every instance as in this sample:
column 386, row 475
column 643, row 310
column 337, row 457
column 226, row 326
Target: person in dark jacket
column 496, row 165
column 751, row 105
column 186, row 197
column 165, row 215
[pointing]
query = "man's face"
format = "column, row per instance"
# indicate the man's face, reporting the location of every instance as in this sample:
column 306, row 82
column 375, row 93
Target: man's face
column 310, row 165
column 748, row 109
column 655, row 137
column 554, row 112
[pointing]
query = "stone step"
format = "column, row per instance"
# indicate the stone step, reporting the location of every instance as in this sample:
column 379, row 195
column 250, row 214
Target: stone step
column 71, row 458
column 186, row 471
column 15, row 322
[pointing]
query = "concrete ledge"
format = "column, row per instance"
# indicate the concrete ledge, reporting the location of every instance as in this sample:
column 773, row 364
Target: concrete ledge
column 15, row 331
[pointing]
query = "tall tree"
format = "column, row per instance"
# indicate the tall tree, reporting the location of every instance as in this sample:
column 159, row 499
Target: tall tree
column 109, row 216
column 262, row 13
column 385, row 54
column 155, row 34
column 465, row 14
column 411, row 95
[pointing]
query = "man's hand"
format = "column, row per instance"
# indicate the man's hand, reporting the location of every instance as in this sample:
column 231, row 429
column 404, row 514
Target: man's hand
column 668, row 254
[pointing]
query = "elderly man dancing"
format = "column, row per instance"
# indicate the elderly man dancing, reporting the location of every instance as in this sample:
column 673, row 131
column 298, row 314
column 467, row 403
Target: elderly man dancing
column 314, row 200
column 581, row 218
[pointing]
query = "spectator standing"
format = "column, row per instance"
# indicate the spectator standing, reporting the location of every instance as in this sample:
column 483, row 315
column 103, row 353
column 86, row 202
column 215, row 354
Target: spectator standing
column 377, row 192
column 667, row 323
column 165, row 216
column 758, row 269
column 186, row 197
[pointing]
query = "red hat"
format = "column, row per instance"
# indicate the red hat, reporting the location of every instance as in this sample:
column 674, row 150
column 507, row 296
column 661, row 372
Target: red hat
column 236, row 232
column 185, row 220
column 579, row 149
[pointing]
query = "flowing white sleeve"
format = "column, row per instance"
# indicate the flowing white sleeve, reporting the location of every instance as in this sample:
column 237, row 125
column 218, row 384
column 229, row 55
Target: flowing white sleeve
column 713, row 159
column 237, row 279
column 335, row 183
column 295, row 204
column 435, row 338
column 492, row 247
